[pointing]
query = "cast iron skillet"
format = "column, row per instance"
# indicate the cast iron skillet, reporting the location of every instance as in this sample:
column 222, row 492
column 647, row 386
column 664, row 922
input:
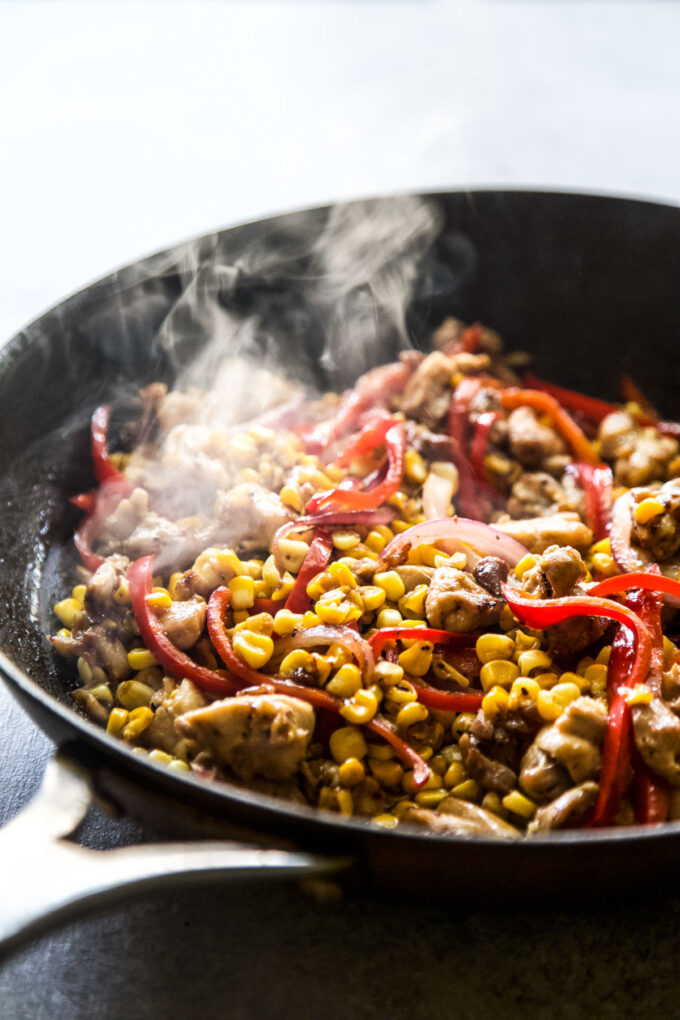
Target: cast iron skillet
column 589, row 285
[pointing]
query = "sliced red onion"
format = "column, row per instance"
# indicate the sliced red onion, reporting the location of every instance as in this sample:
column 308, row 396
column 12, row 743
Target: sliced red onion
column 346, row 519
column 437, row 495
column 330, row 635
column 481, row 537
column 627, row 558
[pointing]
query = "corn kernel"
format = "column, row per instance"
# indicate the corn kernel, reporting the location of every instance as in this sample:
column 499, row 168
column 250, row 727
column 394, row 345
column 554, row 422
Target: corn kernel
column 518, row 804
column 462, row 723
column 259, row 623
column 380, row 752
column 454, row 774
column 291, row 497
column 387, row 773
column 506, row 619
column 604, row 655
column 417, row 659
column 361, row 708
column 346, row 682
column 548, row 708
column 78, row 593
column 372, row 597
column 297, row 659
column 494, row 646
column 64, row 632
column 604, row 564
column 386, row 821
column 423, row 555
column 413, row 603
column 595, row 677
column 133, row 694
column 352, row 772
column 141, row 658
column 254, row 649
column 375, row 541
column 139, row 719
column 495, row 702
column 467, row 790
column 67, row 611
column 342, row 575
column 498, row 672
column 670, row 652
column 177, row 765
column 526, row 563
column 389, row 618
column 402, row 692
column 411, row 714
column 241, row 616
column 286, row 622
column 102, row 692
column 523, row 689
column 431, row 798
column 158, row 600
column 84, row 670
column 270, row 572
column 292, row 553
column 283, row 588
column 549, row 679
column 347, row 742
column 603, row 546
column 335, row 609
column 160, row 757
column 533, row 659
column 638, row 695
column 648, row 509
column 524, row 642
column 398, row 526
column 117, row 720
column 242, row 592
column 415, row 467
column 310, row 619
column 492, row 802
column 434, row 782
column 344, row 540
column 391, row 583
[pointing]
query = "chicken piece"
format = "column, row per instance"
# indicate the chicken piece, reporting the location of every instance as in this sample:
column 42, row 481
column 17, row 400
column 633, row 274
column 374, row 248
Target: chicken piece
column 575, row 738
column 431, row 445
column 640, row 455
column 134, row 530
column 249, row 516
column 537, row 533
column 530, row 442
column 100, row 647
column 412, row 576
column 263, row 735
column 541, row 777
column 569, row 810
column 657, row 738
column 557, row 573
column 183, row 622
column 102, row 587
column 170, row 706
column 538, row 494
column 659, row 536
column 455, row 602
column 427, row 394
column 491, row 572
column 456, row 817
column 491, row 775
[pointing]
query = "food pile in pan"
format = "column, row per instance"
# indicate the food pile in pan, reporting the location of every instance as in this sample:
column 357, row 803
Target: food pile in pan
column 445, row 597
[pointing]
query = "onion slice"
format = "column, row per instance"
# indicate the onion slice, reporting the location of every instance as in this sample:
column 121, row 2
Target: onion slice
column 627, row 559
column 481, row 537
column 437, row 494
column 325, row 634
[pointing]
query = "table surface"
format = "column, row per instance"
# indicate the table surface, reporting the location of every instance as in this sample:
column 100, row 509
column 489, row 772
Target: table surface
column 126, row 126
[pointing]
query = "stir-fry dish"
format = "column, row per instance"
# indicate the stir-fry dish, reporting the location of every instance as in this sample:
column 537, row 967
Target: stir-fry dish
column 443, row 598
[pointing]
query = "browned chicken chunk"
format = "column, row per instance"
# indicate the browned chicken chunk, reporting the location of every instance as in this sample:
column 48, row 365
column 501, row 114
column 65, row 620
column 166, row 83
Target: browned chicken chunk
column 571, row 809
column 537, row 533
column 455, row 602
column 657, row 738
column 458, row 817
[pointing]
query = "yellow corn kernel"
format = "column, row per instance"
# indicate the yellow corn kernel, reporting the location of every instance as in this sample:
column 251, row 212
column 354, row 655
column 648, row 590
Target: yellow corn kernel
column 251, row 568
column 549, row 679
column 270, row 572
column 524, row 642
column 398, row 526
column 670, row 652
column 347, row 742
column 361, row 708
column 84, row 670
column 241, row 616
column 492, row 802
column 133, row 694
column 310, row 619
column 255, row 649
column 141, row 658
column 335, row 609
column 319, row 585
column 443, row 670
column 380, row 752
column 283, row 588
column 648, row 509
column 402, row 693
column 345, row 802
column 518, row 804
column 411, row 714
column 583, row 664
column 391, row 583
column 494, row 646
column 297, row 659
column 434, row 782
column 415, row 467
column 64, row 632
column 139, row 719
column 638, row 695
column 467, row 790
column 67, row 610
column 375, row 541
column 78, row 593
column 457, row 560
column 344, row 540
column 413, row 603
column 346, row 682
column 604, row 564
column 603, row 546
column 242, row 592
column 388, row 673
column 174, row 581
column 462, row 723
column 533, row 659
column 566, row 678
column 454, row 774
column 292, row 553
column 260, row 623
column 389, row 617
column 526, row 563
column 102, row 692
column 342, row 575
column 385, row 821
column 595, row 677
column 388, row 773
column 117, row 720
column 507, row 620
column 372, row 597
column 431, row 798
column 523, row 689
column 417, row 659
column 177, row 765
column 495, row 702
column 160, row 757
column 604, row 655
column 158, row 600
column 351, row 772
column 286, row 622
column 498, row 672
column 291, row 497
column 423, row 555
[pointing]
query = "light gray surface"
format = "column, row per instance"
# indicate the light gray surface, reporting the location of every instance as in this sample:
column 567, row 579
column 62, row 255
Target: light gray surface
column 125, row 126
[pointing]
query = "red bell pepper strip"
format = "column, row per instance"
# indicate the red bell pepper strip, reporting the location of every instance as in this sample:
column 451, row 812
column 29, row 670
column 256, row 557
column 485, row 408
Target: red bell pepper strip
column 219, row 601
column 651, row 796
column 650, row 581
column 270, row 606
column 99, row 429
column 315, row 561
column 103, row 502
column 447, row 701
column 459, row 409
column 545, row 403
column 373, row 388
column 85, row 501
column 139, row 575
column 539, row 613
column 589, row 407
column 83, row 538
column 616, row 762
column 378, row 640
column 394, row 437
column 596, row 483
column 480, row 442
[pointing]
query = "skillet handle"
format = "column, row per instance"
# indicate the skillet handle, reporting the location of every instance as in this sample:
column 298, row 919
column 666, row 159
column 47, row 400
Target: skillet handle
column 46, row 879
